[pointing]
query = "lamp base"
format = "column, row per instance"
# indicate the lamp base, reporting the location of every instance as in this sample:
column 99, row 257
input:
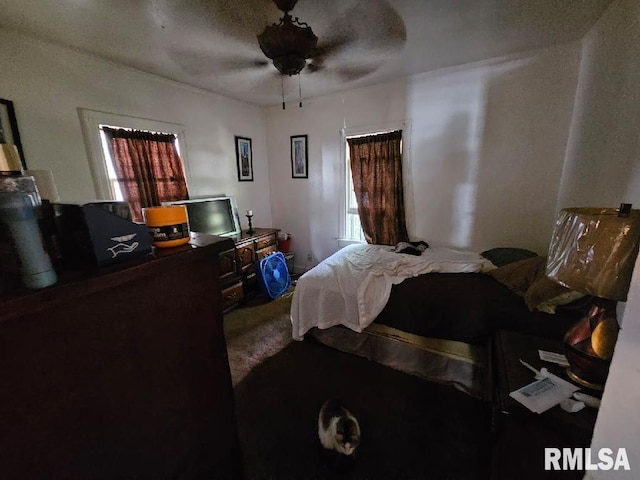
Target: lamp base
column 584, row 383
column 589, row 344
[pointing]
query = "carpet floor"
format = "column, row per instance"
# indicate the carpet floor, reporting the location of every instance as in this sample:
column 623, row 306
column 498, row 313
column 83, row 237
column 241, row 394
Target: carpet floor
column 411, row 429
column 256, row 331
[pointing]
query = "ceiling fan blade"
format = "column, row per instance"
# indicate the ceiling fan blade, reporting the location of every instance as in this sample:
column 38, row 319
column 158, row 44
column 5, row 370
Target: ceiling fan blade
column 314, row 66
column 326, row 49
column 378, row 25
column 355, row 72
column 360, row 40
column 241, row 19
column 372, row 27
column 331, row 47
column 200, row 63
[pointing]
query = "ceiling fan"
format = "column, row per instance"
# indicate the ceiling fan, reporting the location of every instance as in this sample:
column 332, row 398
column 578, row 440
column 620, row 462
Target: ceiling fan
column 352, row 39
column 292, row 45
column 288, row 43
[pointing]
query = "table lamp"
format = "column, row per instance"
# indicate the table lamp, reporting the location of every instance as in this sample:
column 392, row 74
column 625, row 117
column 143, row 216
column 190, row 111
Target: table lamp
column 593, row 251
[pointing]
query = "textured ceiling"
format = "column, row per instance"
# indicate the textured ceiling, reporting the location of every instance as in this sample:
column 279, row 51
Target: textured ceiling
column 211, row 44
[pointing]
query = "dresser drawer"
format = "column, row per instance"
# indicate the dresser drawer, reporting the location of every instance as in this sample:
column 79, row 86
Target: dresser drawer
column 246, row 256
column 265, row 242
column 232, row 295
column 227, row 262
column 260, row 254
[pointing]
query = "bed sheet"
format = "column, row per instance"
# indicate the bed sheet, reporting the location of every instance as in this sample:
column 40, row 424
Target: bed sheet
column 352, row 286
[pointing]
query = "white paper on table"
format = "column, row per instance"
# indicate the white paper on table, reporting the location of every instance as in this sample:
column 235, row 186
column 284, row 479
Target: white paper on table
column 546, row 392
column 553, row 357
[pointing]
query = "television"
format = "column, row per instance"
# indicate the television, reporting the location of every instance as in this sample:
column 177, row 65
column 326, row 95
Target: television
column 214, row 215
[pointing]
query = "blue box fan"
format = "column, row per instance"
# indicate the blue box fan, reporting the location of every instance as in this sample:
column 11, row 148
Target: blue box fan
column 273, row 275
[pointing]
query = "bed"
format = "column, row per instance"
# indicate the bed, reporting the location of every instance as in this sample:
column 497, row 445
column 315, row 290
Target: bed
column 433, row 314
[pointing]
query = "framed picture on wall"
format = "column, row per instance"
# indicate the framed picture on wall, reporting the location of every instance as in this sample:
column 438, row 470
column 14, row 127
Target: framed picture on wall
column 9, row 127
column 299, row 157
column 244, row 159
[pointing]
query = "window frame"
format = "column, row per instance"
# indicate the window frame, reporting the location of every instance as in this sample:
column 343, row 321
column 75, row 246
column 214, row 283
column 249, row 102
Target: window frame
column 349, row 132
column 91, row 120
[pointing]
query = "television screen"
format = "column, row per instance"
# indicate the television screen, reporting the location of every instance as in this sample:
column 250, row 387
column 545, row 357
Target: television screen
column 216, row 216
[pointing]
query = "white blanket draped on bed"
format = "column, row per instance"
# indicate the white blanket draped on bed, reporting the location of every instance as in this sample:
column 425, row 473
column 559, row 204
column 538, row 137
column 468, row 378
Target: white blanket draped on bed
column 352, row 286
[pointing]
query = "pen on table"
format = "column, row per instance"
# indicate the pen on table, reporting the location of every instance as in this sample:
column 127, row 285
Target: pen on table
column 537, row 372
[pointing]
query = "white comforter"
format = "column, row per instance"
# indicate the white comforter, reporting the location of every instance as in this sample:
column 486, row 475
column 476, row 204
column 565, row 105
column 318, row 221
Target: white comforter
column 352, row 286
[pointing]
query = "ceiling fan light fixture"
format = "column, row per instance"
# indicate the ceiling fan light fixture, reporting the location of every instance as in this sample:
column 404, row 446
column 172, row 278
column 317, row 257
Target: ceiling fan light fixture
column 289, row 64
column 288, row 43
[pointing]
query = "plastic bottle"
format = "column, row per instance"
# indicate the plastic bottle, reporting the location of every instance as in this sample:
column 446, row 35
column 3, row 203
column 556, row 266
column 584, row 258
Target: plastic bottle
column 18, row 213
column 168, row 225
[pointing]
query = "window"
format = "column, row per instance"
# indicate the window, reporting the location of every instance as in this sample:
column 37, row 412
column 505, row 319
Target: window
column 114, row 185
column 147, row 168
column 92, row 120
column 101, row 159
column 114, row 181
column 351, row 228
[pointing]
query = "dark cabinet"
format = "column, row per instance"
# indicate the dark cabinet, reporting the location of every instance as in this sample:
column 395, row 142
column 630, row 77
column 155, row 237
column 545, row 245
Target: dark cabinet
column 120, row 374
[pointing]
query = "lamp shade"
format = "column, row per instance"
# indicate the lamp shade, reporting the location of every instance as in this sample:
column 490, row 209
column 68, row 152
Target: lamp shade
column 593, row 251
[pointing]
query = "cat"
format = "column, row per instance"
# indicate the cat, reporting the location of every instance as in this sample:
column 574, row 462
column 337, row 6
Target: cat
column 339, row 434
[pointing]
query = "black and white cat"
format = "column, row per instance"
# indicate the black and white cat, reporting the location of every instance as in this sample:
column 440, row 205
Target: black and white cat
column 339, row 433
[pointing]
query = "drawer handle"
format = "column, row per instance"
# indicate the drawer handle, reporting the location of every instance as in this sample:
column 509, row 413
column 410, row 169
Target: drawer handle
column 232, row 296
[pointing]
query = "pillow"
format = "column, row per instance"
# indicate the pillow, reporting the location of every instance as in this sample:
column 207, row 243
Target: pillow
column 545, row 295
column 566, row 298
column 518, row 276
column 503, row 256
column 528, row 279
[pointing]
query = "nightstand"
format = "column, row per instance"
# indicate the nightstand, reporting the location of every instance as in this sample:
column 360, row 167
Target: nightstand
column 521, row 435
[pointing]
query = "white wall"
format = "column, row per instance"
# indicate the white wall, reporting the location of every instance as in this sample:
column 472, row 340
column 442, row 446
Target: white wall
column 603, row 155
column 483, row 157
column 603, row 169
column 48, row 84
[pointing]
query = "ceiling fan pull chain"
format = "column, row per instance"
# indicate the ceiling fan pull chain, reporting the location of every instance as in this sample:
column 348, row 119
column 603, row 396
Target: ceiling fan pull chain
column 282, row 82
column 299, row 91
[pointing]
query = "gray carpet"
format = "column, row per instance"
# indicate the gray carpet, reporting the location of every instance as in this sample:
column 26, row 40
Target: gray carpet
column 255, row 332
column 411, row 429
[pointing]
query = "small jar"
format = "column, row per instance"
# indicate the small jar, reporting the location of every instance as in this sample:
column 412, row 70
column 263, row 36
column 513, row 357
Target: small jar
column 168, row 225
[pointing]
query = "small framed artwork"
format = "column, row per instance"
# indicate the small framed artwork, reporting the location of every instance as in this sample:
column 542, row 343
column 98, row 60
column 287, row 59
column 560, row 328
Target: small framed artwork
column 299, row 157
column 9, row 127
column 244, row 159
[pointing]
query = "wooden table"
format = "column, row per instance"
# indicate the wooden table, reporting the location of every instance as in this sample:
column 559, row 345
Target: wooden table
column 521, row 435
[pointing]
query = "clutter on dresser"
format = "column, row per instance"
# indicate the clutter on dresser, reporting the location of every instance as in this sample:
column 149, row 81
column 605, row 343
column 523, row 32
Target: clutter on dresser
column 99, row 233
column 20, row 212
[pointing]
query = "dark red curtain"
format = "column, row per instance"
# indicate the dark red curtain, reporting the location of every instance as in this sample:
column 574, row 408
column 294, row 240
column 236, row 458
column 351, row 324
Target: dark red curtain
column 376, row 168
column 148, row 168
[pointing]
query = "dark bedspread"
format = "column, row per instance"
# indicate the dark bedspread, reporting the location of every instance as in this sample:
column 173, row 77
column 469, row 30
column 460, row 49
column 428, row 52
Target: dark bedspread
column 469, row 307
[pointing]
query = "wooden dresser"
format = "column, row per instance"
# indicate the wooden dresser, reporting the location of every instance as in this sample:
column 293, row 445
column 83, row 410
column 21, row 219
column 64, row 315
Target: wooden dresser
column 237, row 274
column 120, row 373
